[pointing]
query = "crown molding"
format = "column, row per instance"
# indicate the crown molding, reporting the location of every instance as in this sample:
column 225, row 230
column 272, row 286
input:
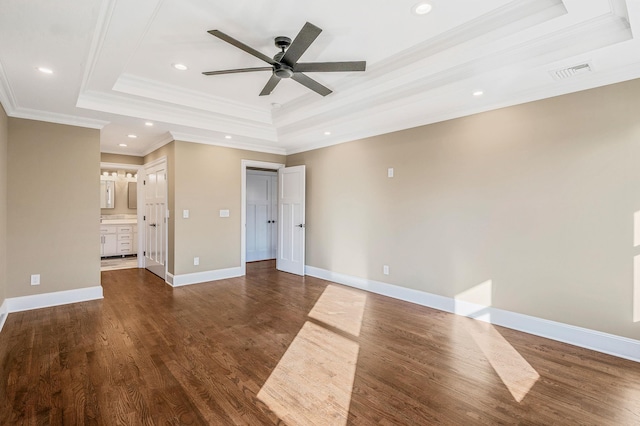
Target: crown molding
column 146, row 88
column 587, row 82
column 164, row 140
column 395, row 71
column 7, row 98
column 164, row 112
column 604, row 30
column 97, row 41
column 206, row 140
column 54, row 117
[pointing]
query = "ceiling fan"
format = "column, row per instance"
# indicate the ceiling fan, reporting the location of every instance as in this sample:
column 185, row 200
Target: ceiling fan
column 285, row 63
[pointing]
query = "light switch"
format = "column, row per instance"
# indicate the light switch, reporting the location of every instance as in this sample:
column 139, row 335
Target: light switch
column 185, row 214
column 224, row 213
column 390, row 172
column 35, row 279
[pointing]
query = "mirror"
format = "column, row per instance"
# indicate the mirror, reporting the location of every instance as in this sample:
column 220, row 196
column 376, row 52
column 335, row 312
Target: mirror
column 133, row 195
column 107, row 194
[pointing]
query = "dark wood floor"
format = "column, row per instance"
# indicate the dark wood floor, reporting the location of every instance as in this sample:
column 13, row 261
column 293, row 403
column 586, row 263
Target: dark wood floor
column 215, row 353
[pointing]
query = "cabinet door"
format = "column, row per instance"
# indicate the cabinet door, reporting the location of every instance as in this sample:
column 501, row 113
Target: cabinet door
column 110, row 246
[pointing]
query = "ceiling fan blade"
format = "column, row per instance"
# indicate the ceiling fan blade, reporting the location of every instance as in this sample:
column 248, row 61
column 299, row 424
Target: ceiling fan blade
column 271, row 84
column 330, row 66
column 241, row 45
column 301, row 43
column 237, row 70
column 311, row 84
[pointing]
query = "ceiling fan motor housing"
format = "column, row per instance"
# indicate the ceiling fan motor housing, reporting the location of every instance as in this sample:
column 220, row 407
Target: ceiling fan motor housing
column 282, row 70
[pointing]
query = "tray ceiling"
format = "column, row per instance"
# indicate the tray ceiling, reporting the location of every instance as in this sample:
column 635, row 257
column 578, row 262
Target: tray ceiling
column 112, row 65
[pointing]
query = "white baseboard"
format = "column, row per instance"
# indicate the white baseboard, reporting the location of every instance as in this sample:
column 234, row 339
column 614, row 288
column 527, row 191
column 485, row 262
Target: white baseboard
column 4, row 313
column 204, row 276
column 583, row 337
column 46, row 300
column 169, row 279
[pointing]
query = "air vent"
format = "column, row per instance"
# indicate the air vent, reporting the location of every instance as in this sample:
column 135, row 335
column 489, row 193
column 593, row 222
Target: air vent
column 569, row 72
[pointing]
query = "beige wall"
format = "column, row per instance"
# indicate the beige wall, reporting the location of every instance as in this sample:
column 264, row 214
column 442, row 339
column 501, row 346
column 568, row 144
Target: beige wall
column 204, row 179
column 53, row 194
column 207, row 180
column 4, row 139
column 121, row 159
column 538, row 198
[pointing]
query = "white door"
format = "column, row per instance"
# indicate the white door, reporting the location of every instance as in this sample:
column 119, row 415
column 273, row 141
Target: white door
column 291, row 226
column 155, row 220
column 261, row 215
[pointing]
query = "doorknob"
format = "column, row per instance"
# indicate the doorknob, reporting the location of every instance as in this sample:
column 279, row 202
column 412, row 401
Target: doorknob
column 301, row 225
column 152, row 224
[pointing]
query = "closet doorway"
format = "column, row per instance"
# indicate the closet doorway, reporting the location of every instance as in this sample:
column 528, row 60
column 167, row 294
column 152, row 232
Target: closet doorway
column 262, row 214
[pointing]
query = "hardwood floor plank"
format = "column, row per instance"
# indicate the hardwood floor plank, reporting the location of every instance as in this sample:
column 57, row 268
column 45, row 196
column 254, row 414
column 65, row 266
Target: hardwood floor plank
column 149, row 354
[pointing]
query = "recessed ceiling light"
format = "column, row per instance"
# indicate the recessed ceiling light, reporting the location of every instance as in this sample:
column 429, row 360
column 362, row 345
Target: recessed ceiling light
column 122, row 144
column 478, row 93
column 276, row 105
column 422, row 8
column 327, row 133
column 228, row 137
column 180, row 67
column 45, row 70
column 148, row 123
column 132, row 136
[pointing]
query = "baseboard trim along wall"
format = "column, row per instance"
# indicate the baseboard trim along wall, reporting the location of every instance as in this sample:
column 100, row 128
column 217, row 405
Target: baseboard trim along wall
column 204, row 276
column 590, row 339
column 4, row 312
column 46, row 300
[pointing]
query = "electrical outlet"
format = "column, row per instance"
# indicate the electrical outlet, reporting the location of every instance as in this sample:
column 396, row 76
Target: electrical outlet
column 185, row 214
column 196, row 261
column 385, row 269
column 390, row 172
column 35, row 279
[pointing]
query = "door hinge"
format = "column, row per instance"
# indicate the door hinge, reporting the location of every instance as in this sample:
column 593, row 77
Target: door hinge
column 144, row 182
column 144, row 218
column 144, row 253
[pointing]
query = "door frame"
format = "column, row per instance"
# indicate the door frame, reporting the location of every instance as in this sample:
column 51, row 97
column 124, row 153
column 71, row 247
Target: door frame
column 243, row 207
column 142, row 199
column 139, row 169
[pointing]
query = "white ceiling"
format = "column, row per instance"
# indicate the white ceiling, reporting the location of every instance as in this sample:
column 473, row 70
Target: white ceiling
column 112, row 63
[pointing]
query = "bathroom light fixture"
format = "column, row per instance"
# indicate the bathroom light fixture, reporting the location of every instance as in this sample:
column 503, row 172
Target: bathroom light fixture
column 45, row 70
column 105, row 173
column 114, row 174
column 180, row 67
column 422, row 8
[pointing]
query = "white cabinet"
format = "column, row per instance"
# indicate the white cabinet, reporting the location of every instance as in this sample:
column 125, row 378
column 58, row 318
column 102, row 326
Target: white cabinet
column 118, row 240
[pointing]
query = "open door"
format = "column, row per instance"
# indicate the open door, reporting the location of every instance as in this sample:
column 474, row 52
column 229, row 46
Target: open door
column 155, row 219
column 291, row 224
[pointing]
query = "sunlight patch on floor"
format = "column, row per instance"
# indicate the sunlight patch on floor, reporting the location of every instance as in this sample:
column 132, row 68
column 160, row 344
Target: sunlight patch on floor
column 312, row 383
column 340, row 308
column 514, row 371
